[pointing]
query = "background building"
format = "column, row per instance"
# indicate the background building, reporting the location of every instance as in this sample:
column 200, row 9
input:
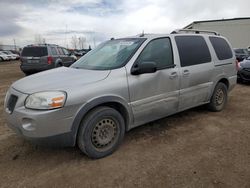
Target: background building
column 236, row 30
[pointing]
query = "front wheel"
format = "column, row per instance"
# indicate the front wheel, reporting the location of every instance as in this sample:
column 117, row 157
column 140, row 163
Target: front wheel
column 101, row 132
column 219, row 98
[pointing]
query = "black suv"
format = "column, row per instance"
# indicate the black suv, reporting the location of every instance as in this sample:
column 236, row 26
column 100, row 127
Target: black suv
column 241, row 53
column 36, row 58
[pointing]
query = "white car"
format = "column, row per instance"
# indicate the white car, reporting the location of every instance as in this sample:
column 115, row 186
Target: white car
column 4, row 57
column 11, row 55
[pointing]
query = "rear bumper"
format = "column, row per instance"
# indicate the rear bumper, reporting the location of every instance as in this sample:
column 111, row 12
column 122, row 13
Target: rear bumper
column 5, row 58
column 35, row 68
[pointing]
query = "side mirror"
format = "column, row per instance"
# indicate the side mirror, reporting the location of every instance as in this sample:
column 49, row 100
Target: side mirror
column 144, row 67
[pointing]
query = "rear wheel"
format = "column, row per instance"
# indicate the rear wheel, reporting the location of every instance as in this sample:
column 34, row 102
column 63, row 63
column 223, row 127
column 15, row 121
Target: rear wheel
column 219, row 98
column 59, row 65
column 27, row 73
column 1, row 59
column 101, row 132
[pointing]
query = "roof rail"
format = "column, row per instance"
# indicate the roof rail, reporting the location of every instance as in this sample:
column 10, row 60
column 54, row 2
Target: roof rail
column 42, row 44
column 178, row 31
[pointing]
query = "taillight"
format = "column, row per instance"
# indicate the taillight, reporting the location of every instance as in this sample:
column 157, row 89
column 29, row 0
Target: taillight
column 50, row 60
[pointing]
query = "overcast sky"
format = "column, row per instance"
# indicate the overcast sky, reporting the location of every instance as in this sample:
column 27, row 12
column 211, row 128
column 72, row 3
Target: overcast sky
column 98, row 20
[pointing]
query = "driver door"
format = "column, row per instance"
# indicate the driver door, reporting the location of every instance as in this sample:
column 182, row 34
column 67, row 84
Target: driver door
column 155, row 95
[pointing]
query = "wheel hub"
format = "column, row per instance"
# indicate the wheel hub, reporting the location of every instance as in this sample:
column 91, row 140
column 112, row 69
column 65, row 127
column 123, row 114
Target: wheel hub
column 219, row 97
column 104, row 133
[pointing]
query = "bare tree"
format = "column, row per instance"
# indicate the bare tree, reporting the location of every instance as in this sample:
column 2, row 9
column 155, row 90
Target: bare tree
column 74, row 42
column 39, row 39
column 82, row 42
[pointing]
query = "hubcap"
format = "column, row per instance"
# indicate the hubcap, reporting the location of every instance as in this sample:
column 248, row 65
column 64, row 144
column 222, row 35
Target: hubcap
column 104, row 133
column 219, row 97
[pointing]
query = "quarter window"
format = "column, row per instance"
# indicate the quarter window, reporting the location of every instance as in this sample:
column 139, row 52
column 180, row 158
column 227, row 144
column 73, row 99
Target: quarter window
column 158, row 51
column 221, row 47
column 193, row 50
column 66, row 52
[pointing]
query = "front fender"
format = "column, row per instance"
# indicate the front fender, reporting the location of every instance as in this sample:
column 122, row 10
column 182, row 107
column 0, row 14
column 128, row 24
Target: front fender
column 85, row 108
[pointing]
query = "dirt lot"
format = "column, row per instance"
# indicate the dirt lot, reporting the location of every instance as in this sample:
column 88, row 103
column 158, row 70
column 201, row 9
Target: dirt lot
column 195, row 148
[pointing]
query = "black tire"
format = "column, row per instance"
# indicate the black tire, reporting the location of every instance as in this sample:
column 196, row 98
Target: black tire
column 59, row 65
column 1, row 59
column 101, row 132
column 27, row 73
column 219, row 98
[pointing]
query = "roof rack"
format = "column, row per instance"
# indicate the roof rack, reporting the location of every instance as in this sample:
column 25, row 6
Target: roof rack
column 178, row 31
column 42, row 44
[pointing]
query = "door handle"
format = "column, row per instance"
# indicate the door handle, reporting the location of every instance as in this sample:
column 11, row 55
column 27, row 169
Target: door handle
column 186, row 72
column 173, row 75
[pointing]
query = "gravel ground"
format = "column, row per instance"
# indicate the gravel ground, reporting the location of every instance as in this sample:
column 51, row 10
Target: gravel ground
column 195, row 148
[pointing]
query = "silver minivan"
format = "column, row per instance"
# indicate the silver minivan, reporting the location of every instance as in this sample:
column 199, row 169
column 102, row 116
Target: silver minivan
column 122, row 84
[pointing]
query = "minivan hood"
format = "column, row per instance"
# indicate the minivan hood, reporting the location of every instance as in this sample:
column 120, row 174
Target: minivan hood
column 62, row 78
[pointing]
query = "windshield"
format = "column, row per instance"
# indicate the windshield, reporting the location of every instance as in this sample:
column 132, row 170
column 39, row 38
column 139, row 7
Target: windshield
column 241, row 51
column 109, row 55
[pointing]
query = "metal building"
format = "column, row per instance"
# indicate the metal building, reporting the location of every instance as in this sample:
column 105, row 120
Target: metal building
column 236, row 30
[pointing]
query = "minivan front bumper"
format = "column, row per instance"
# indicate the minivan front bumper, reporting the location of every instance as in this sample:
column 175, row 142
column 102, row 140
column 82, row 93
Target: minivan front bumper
column 46, row 127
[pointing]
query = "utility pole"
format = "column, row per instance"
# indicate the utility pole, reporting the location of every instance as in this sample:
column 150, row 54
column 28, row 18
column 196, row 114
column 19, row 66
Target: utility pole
column 66, row 40
column 14, row 44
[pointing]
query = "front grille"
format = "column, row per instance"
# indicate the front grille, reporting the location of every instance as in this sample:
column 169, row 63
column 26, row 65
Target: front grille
column 12, row 103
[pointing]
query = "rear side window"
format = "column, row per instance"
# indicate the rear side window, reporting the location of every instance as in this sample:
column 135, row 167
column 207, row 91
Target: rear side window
column 60, row 51
column 34, row 51
column 53, row 51
column 158, row 51
column 221, row 47
column 193, row 50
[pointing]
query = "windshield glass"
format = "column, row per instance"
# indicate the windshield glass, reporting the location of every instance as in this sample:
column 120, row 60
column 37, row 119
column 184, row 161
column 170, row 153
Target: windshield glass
column 109, row 55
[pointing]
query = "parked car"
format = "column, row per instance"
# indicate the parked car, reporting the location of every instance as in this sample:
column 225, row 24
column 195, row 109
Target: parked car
column 81, row 52
column 15, row 52
column 241, row 53
column 36, row 58
column 12, row 55
column 74, row 57
column 4, row 56
column 121, row 84
column 243, row 74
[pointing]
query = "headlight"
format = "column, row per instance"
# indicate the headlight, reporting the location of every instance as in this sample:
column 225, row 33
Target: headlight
column 46, row 100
